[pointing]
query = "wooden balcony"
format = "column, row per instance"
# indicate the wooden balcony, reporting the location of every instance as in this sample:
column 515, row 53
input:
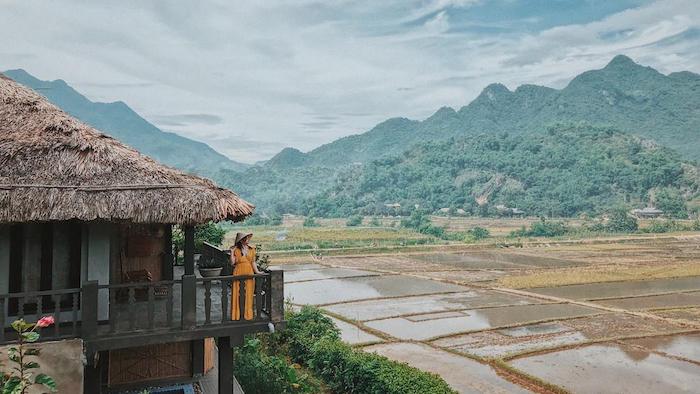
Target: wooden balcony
column 126, row 315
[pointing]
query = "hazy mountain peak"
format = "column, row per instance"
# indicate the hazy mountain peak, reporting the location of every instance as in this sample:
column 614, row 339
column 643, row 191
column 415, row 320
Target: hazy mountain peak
column 118, row 120
column 493, row 92
column 444, row 112
column 622, row 61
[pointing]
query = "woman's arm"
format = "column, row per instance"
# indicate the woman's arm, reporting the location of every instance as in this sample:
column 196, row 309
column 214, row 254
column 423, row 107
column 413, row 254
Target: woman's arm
column 234, row 256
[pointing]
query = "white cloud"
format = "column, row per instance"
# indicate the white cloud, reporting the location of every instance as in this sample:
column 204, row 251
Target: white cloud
column 269, row 71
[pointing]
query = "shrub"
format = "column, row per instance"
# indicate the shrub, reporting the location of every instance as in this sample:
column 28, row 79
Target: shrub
column 310, row 222
column 672, row 203
column 477, row 233
column 375, row 222
column 313, row 340
column 543, row 228
column 620, row 221
column 260, row 373
column 354, row 221
column 667, row 226
column 209, row 232
column 421, row 222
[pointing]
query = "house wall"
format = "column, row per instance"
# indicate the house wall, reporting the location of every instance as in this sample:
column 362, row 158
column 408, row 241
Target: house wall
column 60, row 272
column 4, row 258
column 63, row 361
column 96, row 260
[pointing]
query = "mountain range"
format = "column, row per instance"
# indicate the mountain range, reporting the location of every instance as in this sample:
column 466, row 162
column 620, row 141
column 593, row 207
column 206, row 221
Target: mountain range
column 623, row 134
column 624, row 94
column 625, row 97
column 121, row 122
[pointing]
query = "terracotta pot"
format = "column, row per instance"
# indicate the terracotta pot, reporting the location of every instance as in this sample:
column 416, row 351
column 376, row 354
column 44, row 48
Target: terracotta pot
column 209, row 272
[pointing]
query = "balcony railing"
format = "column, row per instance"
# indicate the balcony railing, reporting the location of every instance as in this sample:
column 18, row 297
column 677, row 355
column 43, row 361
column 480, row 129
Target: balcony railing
column 114, row 315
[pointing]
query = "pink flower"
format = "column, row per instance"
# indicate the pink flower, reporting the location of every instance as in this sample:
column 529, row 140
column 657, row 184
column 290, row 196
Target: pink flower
column 45, row 321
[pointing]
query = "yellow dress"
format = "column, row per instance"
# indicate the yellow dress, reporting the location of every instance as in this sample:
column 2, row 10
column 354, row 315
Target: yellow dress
column 243, row 266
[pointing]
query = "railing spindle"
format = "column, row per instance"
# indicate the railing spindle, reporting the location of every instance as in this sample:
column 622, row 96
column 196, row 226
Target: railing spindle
column 39, row 307
column 258, row 297
column 224, row 300
column 241, row 299
column 74, row 310
column 20, row 312
column 57, row 315
column 151, row 306
column 207, row 302
column 132, row 304
column 268, row 295
column 169, row 306
column 113, row 310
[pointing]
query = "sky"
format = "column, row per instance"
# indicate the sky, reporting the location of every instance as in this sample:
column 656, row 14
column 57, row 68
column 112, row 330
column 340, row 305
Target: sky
column 252, row 77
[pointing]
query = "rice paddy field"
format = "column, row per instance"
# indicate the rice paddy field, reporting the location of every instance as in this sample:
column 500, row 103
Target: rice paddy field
column 606, row 314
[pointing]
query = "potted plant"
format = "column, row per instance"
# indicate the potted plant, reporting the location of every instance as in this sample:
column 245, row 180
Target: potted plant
column 209, row 266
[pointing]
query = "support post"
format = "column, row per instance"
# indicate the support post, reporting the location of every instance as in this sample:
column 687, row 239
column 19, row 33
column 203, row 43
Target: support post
column 277, row 296
column 198, row 357
column 189, row 301
column 167, row 262
column 89, row 303
column 225, row 365
column 92, row 379
column 189, row 250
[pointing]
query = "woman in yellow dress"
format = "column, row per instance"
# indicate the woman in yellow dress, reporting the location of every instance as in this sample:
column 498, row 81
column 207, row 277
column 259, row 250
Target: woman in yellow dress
column 243, row 260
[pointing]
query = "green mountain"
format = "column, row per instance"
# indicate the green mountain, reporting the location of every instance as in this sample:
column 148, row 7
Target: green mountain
column 624, row 95
column 566, row 170
column 122, row 123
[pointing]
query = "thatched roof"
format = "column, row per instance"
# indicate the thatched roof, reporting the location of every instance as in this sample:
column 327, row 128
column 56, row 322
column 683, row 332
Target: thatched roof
column 54, row 167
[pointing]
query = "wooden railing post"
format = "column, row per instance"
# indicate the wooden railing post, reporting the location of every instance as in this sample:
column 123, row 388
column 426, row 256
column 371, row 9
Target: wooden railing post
column 277, row 295
column 189, row 301
column 89, row 301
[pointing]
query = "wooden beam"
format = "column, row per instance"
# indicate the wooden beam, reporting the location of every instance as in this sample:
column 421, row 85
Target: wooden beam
column 189, row 250
column 166, row 336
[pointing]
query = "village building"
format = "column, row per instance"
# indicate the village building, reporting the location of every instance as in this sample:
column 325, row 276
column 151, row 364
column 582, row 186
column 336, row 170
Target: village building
column 86, row 236
column 504, row 210
column 647, row 213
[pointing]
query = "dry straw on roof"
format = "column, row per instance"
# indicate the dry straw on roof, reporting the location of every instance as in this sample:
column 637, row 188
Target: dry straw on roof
column 53, row 167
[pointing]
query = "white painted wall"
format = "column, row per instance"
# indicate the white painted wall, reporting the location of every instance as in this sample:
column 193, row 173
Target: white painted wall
column 97, row 265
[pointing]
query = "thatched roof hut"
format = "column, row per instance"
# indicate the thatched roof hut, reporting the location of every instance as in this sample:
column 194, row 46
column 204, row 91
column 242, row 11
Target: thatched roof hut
column 54, row 167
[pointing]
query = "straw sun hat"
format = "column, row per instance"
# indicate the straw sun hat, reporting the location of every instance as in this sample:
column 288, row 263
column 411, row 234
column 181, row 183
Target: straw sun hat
column 240, row 236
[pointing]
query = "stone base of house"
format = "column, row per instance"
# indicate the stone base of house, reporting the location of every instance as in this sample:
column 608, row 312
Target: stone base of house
column 62, row 360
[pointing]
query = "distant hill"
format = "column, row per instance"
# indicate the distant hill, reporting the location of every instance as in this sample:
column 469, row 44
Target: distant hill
column 566, row 170
column 624, row 95
column 121, row 122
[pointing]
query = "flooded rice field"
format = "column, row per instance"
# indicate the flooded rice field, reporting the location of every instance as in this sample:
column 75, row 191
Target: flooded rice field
column 594, row 291
column 450, row 313
column 613, row 368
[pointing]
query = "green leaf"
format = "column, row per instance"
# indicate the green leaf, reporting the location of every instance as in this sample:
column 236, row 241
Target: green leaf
column 32, row 352
column 12, row 386
column 18, row 325
column 30, row 336
column 31, row 364
column 13, row 357
column 47, row 381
